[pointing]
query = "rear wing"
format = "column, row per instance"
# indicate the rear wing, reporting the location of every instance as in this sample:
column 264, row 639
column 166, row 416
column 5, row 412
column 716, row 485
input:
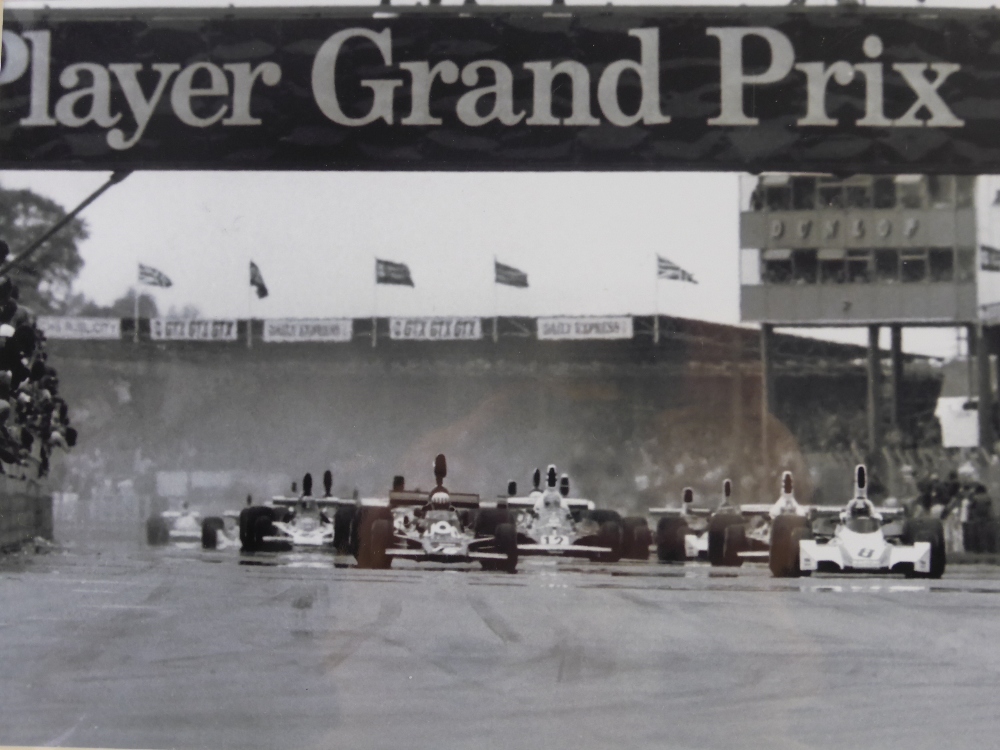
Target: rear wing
column 405, row 498
column 321, row 502
column 526, row 503
column 678, row 512
column 888, row 514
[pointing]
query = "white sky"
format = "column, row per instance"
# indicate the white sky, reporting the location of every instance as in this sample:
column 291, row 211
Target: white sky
column 588, row 241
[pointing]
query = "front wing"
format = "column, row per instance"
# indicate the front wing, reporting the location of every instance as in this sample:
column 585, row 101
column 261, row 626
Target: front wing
column 812, row 556
column 571, row 550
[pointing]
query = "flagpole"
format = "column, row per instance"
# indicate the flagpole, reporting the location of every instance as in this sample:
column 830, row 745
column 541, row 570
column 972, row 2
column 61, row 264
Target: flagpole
column 249, row 310
column 495, row 299
column 135, row 335
column 375, row 307
column 656, row 303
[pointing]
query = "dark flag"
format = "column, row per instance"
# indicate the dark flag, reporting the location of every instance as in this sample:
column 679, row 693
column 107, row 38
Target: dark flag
column 387, row 272
column 509, row 275
column 150, row 276
column 989, row 258
column 257, row 281
column 666, row 269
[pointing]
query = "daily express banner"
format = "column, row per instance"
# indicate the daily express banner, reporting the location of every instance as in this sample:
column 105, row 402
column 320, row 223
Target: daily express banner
column 170, row 329
column 837, row 89
column 564, row 328
column 301, row 330
column 80, row 328
column 435, row 329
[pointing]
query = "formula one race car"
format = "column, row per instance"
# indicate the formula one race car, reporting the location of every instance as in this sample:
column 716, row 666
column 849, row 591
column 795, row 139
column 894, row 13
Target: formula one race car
column 182, row 525
column 682, row 533
column 858, row 540
column 741, row 533
column 439, row 526
column 285, row 523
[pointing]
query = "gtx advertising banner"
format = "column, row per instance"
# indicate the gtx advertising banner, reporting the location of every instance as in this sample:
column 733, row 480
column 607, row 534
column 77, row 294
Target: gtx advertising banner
column 563, row 328
column 55, row 327
column 468, row 88
column 170, row 329
column 435, row 329
column 303, row 330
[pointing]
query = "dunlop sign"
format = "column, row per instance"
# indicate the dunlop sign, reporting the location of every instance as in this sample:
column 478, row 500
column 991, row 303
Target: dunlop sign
column 837, row 89
column 435, row 329
column 169, row 329
column 55, row 327
column 302, row 330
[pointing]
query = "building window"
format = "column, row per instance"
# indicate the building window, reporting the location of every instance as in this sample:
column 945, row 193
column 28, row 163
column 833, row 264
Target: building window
column 778, row 198
column 803, row 193
column 858, row 196
column 914, row 266
column 805, row 266
column 940, row 264
column 887, row 266
column 884, row 192
column 964, row 191
column 777, row 266
column 859, row 266
column 831, row 196
column 909, row 192
column 831, row 266
column 940, row 190
column 965, row 264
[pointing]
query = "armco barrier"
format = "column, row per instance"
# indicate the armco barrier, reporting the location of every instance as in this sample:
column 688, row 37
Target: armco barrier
column 25, row 513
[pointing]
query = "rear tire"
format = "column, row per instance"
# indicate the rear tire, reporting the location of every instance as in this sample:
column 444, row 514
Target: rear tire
column 381, row 540
column 364, row 521
column 210, row 529
column 487, row 520
column 506, row 543
column 343, row 520
column 638, row 538
column 255, row 524
column 610, row 535
column 157, row 531
column 717, row 526
column 783, row 559
column 928, row 530
column 670, row 533
column 734, row 542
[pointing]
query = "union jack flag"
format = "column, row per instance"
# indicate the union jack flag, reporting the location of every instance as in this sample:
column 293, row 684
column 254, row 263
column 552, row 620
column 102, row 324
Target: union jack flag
column 667, row 269
column 151, row 277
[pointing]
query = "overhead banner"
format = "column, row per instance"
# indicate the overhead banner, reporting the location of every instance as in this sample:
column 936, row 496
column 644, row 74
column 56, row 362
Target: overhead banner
column 579, row 329
column 435, row 329
column 837, row 89
column 80, row 328
column 169, row 329
column 302, row 330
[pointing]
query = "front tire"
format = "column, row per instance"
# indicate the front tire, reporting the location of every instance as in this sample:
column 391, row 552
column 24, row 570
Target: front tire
column 638, row 538
column 670, row 533
column 783, row 559
column 717, row 526
column 381, row 540
column 610, row 535
column 734, row 542
column 210, row 529
column 928, row 530
column 506, row 543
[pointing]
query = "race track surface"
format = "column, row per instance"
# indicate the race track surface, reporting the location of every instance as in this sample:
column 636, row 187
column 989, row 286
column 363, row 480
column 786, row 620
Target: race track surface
column 118, row 645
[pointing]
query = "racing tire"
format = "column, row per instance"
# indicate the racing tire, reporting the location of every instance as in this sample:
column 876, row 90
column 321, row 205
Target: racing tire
column 601, row 516
column 157, row 531
column 343, row 521
column 734, row 542
column 670, row 533
column 783, row 559
column 928, row 530
column 610, row 535
column 250, row 530
column 506, row 543
column 381, row 540
column 364, row 521
column 637, row 538
column 210, row 529
column 799, row 535
column 717, row 526
column 487, row 520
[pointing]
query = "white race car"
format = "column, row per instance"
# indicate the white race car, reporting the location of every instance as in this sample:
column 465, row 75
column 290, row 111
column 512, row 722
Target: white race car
column 858, row 541
column 288, row 523
column 682, row 533
column 436, row 527
column 173, row 526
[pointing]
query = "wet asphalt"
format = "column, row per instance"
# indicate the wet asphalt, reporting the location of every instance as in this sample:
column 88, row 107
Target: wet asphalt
column 114, row 644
